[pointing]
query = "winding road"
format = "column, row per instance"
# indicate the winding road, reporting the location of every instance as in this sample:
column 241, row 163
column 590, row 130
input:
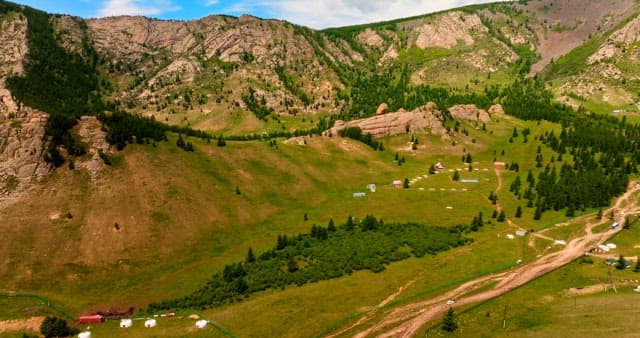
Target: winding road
column 406, row 321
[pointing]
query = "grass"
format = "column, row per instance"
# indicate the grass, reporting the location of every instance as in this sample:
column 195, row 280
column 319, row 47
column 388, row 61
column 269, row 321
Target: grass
column 180, row 220
column 22, row 307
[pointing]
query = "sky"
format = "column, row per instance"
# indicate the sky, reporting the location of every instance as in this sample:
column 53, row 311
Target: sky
column 312, row 13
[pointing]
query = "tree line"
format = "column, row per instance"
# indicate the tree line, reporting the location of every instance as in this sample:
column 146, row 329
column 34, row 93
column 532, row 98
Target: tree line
column 323, row 253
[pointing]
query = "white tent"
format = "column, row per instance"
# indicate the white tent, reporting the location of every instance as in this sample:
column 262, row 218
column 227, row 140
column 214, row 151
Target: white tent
column 85, row 334
column 201, row 324
column 150, row 323
column 125, row 323
column 611, row 246
column 510, row 236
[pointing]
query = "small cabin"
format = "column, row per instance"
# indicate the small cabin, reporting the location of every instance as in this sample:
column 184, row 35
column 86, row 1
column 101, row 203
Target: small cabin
column 397, row 184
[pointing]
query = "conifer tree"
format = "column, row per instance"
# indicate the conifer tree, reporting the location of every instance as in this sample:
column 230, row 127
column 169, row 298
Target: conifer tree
column 250, row 256
column 449, row 322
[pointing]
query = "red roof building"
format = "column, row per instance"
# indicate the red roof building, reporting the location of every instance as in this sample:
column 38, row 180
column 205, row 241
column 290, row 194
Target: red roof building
column 92, row 319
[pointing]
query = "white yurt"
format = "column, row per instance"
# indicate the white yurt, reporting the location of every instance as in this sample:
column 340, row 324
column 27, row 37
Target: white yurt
column 150, row 323
column 201, row 324
column 126, row 323
column 85, row 334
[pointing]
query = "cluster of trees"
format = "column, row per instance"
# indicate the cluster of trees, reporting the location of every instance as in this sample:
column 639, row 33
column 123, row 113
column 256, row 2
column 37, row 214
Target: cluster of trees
column 258, row 106
column 324, row 253
column 123, row 128
column 292, row 87
column 56, row 327
column 356, row 134
column 528, row 99
column 184, row 145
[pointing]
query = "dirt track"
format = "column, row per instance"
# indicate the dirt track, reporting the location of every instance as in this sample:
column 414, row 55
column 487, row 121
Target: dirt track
column 407, row 320
column 31, row 324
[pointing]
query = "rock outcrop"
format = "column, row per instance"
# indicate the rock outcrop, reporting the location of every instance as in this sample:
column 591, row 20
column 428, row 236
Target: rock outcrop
column 90, row 131
column 21, row 152
column 496, row 109
column 618, row 41
column 371, row 38
column 425, row 118
column 469, row 112
column 449, row 29
column 13, row 45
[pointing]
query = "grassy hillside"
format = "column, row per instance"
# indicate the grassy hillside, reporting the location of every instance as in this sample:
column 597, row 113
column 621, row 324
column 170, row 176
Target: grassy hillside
column 161, row 221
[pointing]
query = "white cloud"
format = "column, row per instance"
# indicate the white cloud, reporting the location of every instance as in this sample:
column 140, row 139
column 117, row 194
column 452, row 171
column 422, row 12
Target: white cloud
column 137, row 7
column 335, row 13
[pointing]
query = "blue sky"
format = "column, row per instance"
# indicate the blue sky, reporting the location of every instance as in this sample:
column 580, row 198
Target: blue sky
column 312, row 13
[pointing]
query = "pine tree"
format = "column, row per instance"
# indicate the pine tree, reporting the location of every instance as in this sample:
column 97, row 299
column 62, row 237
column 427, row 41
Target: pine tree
column 537, row 214
column 250, row 256
column 406, row 183
column 331, row 227
column 456, row 176
column 306, row 217
column 292, row 265
column 501, row 217
column 349, row 225
column 637, row 268
column 621, row 264
column 180, row 142
column 449, row 322
column 519, row 212
column 221, row 142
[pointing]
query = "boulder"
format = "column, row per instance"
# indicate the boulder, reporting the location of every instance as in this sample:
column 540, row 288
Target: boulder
column 382, row 109
column 496, row 109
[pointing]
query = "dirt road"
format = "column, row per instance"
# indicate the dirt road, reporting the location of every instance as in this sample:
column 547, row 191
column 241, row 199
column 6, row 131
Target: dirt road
column 31, row 324
column 407, row 320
